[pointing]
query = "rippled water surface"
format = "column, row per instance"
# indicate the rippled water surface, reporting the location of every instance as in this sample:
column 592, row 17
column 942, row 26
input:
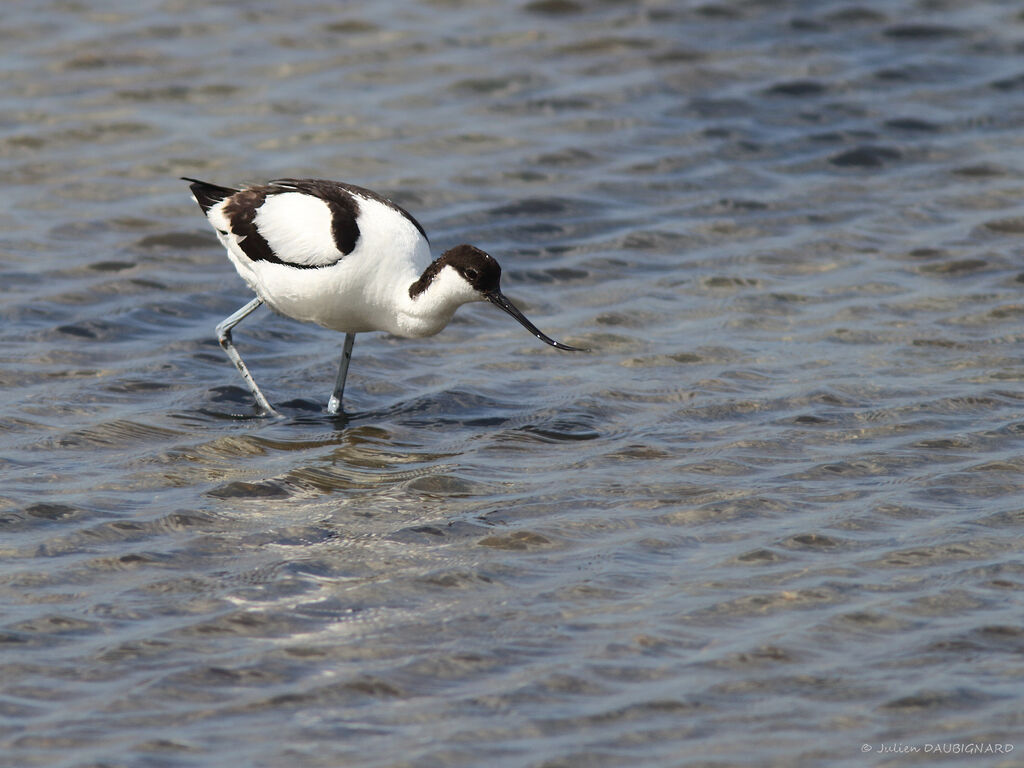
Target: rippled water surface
column 776, row 513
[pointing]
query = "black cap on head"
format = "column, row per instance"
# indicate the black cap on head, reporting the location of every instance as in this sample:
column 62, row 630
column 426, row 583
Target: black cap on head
column 478, row 268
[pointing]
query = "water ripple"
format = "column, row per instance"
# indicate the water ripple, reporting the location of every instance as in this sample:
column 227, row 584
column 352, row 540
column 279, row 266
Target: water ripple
column 772, row 516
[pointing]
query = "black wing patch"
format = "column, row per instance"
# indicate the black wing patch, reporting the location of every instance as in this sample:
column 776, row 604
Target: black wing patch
column 242, row 205
column 343, row 206
column 240, row 211
column 241, row 208
column 340, row 191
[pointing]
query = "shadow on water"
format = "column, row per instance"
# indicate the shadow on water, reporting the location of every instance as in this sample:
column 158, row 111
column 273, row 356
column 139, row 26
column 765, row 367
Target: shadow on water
column 440, row 409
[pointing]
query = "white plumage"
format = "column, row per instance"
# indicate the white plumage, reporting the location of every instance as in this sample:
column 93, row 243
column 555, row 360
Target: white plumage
column 345, row 258
column 294, row 226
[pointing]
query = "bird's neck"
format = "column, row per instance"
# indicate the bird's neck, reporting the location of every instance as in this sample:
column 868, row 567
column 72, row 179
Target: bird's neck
column 424, row 281
column 432, row 300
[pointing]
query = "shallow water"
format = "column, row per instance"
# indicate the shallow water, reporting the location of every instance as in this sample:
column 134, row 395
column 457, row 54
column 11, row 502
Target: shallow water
column 773, row 516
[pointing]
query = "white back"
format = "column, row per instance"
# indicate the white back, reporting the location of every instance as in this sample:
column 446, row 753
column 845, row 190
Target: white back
column 298, row 228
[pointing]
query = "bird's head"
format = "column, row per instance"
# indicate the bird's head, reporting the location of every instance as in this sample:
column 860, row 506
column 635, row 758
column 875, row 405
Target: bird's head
column 465, row 273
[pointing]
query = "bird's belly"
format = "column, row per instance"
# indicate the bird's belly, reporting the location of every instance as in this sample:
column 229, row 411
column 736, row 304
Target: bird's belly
column 325, row 311
column 366, row 290
column 340, row 297
column 316, row 298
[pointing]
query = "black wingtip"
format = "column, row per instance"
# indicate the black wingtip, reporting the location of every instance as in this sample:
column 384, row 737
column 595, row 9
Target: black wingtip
column 206, row 194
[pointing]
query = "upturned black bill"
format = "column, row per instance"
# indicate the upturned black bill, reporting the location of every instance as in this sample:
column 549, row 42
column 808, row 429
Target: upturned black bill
column 498, row 299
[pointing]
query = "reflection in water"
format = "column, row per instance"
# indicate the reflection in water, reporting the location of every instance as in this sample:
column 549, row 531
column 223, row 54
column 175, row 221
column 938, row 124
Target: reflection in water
column 773, row 516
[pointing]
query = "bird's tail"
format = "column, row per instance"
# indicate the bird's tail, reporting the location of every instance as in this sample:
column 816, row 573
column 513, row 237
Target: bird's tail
column 207, row 195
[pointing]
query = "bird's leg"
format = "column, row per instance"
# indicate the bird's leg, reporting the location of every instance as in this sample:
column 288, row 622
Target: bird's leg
column 224, row 337
column 334, row 404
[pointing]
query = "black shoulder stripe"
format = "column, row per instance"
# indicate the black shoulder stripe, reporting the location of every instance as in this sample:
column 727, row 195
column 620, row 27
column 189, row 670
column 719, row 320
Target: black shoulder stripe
column 241, row 207
column 342, row 193
column 240, row 211
column 344, row 227
column 343, row 206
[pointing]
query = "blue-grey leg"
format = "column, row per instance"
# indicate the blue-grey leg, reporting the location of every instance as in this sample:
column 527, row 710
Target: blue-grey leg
column 334, row 404
column 224, row 337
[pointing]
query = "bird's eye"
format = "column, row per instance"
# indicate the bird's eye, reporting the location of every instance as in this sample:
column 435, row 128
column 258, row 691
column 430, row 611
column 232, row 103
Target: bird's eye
column 472, row 274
